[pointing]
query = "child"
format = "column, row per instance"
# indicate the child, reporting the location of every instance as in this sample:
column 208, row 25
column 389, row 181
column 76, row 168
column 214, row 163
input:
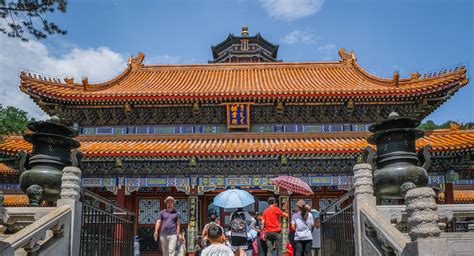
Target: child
column 181, row 250
column 216, row 237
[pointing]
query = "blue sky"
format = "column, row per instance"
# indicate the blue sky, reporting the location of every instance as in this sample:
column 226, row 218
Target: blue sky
column 386, row 36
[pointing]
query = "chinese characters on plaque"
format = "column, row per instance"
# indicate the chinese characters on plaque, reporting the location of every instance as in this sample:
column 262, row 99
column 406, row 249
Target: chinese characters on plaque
column 238, row 115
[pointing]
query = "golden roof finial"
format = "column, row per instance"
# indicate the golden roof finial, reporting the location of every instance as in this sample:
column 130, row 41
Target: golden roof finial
column 245, row 30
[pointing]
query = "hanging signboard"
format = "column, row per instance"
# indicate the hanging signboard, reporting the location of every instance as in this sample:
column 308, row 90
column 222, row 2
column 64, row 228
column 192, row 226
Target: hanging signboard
column 238, row 115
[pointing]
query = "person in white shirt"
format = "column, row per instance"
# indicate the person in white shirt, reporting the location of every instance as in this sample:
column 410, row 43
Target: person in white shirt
column 302, row 222
column 217, row 247
column 316, row 246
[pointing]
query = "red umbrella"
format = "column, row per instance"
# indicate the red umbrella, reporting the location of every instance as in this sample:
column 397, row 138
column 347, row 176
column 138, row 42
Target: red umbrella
column 293, row 184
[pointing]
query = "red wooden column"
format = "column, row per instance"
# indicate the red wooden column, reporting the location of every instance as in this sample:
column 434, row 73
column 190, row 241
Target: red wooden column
column 121, row 196
column 119, row 231
column 448, row 193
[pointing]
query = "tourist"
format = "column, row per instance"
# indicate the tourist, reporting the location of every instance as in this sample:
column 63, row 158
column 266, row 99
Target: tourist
column 181, row 249
column 291, row 232
column 240, row 222
column 217, row 247
column 167, row 228
column 136, row 246
column 302, row 222
column 213, row 221
column 272, row 227
column 261, row 247
column 252, row 235
column 316, row 245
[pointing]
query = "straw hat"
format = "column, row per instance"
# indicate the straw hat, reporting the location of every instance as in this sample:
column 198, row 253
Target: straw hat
column 170, row 198
column 301, row 203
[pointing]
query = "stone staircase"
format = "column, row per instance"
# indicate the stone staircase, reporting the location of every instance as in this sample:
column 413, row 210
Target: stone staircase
column 45, row 230
column 375, row 226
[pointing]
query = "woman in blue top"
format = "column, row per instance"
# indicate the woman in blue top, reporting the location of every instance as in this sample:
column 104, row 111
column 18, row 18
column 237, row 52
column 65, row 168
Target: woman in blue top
column 302, row 222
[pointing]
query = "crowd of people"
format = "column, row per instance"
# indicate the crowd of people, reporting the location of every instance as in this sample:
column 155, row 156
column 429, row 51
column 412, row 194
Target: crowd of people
column 246, row 235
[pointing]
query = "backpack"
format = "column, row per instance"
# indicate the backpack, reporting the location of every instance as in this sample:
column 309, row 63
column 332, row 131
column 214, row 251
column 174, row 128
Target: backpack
column 238, row 223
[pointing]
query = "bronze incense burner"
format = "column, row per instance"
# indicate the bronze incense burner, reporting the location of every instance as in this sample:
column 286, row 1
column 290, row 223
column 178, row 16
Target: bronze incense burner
column 42, row 170
column 397, row 161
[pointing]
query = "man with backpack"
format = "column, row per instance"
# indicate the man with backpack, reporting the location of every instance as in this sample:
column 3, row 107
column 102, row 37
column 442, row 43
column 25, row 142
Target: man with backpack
column 240, row 220
column 272, row 227
column 213, row 221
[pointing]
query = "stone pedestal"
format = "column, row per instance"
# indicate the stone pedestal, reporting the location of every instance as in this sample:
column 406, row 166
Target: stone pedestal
column 432, row 247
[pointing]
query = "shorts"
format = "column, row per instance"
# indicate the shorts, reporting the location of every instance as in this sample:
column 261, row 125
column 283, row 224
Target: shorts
column 238, row 242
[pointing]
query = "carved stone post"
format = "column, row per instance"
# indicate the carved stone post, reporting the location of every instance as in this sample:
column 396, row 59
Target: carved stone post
column 363, row 196
column 422, row 212
column 70, row 195
column 422, row 222
column 363, row 184
column 71, row 183
column 3, row 214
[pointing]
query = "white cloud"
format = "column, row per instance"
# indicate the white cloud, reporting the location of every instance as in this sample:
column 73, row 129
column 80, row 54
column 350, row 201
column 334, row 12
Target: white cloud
column 299, row 36
column 328, row 51
column 98, row 64
column 291, row 9
column 327, row 48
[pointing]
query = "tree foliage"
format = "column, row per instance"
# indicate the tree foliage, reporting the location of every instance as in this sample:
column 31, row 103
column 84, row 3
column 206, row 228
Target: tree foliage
column 20, row 16
column 12, row 121
column 430, row 125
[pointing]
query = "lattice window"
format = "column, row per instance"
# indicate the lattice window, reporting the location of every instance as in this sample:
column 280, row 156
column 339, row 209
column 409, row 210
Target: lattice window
column 148, row 211
column 182, row 207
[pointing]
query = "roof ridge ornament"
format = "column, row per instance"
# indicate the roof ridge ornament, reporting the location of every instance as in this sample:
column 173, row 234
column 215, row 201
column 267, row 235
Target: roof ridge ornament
column 454, row 126
column 415, row 76
column 69, row 80
column 137, row 62
column 396, row 78
column 85, row 83
column 347, row 57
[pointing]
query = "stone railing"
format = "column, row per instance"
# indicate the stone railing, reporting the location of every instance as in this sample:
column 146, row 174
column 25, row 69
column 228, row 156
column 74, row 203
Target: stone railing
column 374, row 226
column 45, row 230
column 379, row 237
column 45, row 235
column 397, row 214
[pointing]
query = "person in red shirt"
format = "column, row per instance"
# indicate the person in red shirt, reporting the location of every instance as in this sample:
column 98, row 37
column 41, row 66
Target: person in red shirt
column 272, row 226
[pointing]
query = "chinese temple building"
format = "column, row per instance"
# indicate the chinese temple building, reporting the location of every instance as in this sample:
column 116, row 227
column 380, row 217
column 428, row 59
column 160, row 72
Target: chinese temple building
column 192, row 130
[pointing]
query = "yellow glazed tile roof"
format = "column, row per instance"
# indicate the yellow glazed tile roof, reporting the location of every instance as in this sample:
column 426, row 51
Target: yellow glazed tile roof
column 242, row 143
column 242, row 81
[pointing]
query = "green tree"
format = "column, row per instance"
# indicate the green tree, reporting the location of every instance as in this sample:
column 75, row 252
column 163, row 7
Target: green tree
column 12, row 121
column 20, row 16
column 428, row 125
column 469, row 125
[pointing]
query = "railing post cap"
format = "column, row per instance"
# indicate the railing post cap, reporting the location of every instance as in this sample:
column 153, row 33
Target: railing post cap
column 420, row 192
column 362, row 166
